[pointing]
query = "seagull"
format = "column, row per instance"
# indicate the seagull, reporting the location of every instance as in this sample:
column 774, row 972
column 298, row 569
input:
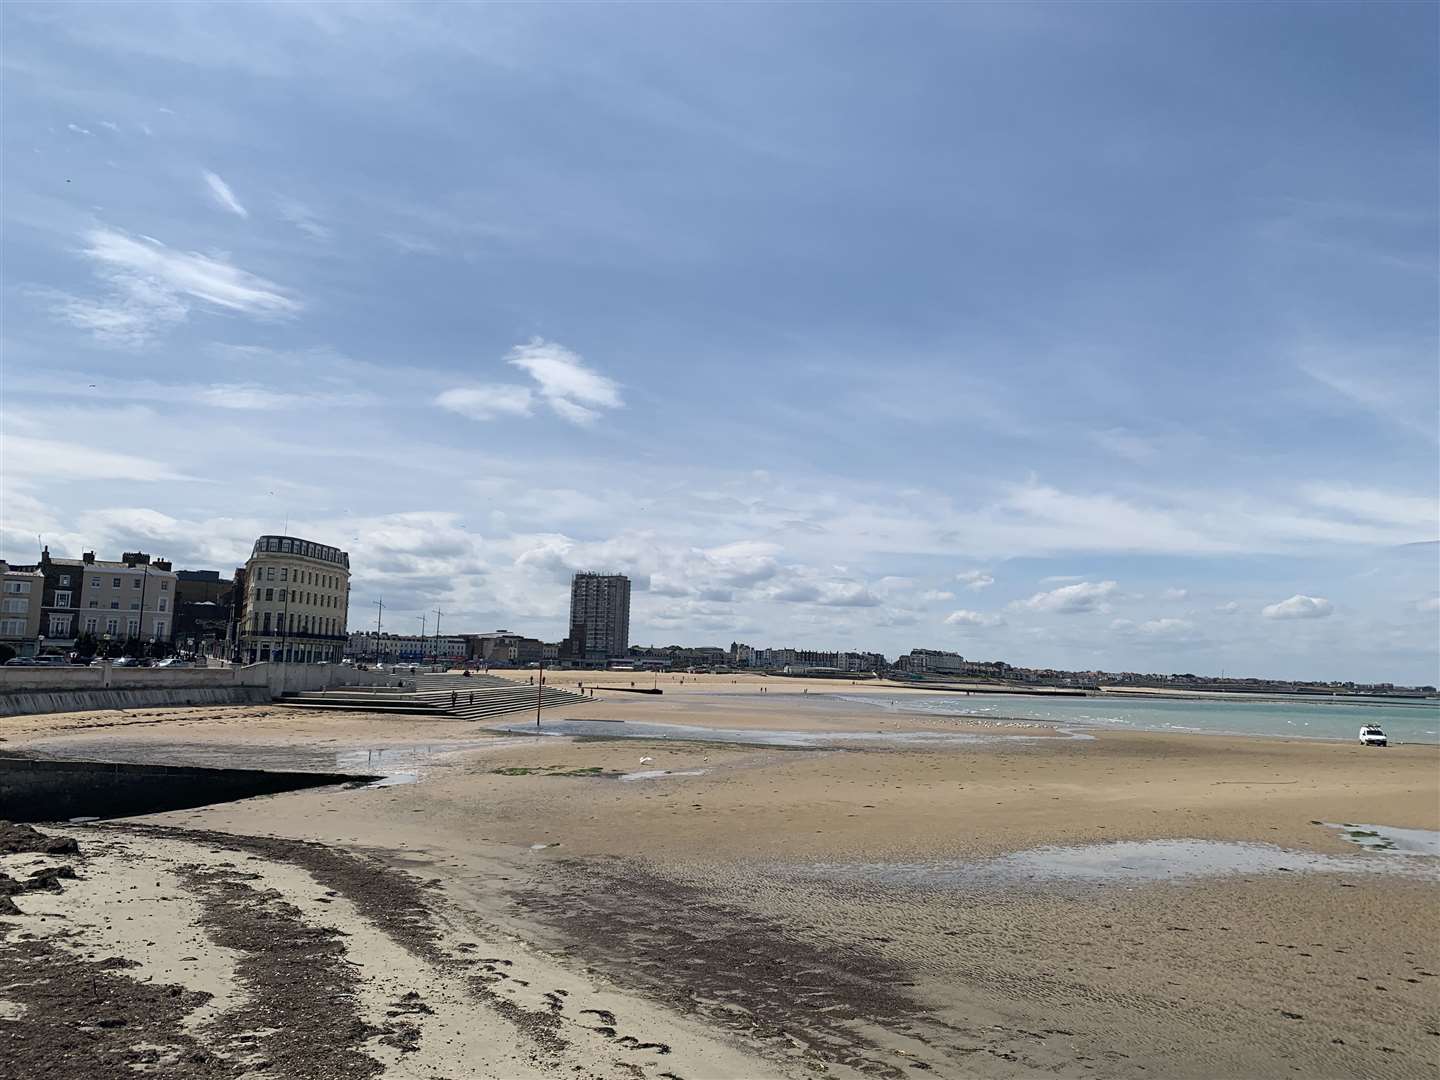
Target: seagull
column 646, row 760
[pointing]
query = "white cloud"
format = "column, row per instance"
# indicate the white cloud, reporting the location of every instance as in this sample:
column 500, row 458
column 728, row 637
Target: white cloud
column 1167, row 628
column 79, row 130
column 1055, row 579
column 971, row 618
column 1420, row 512
column 223, row 196
column 303, row 218
column 153, row 286
column 1229, row 607
column 975, row 579
column 1174, row 594
column 111, row 125
column 1073, row 599
column 932, row 595
column 487, row 402
column 53, row 459
column 846, row 594
column 1299, row 607
column 573, row 391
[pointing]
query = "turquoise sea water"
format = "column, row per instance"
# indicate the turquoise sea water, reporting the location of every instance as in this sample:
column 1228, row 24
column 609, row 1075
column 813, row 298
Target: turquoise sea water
column 1302, row 718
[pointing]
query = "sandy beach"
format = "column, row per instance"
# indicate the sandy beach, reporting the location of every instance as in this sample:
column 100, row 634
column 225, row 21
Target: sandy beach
column 903, row 894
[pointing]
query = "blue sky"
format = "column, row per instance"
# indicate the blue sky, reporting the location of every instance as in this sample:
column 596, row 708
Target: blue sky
column 1074, row 335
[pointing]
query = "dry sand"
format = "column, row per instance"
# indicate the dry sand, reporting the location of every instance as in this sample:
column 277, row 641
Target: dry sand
column 748, row 919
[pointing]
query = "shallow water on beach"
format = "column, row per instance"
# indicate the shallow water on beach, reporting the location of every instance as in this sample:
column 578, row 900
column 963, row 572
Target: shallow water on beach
column 1301, row 718
column 768, row 737
column 1392, row 841
column 1125, row 862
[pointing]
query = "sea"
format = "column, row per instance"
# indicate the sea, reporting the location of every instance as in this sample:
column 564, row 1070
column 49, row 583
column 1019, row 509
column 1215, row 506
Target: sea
column 1300, row 717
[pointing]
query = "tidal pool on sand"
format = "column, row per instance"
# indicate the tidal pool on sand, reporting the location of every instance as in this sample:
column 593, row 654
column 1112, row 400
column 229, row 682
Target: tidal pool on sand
column 1123, row 862
column 1389, row 839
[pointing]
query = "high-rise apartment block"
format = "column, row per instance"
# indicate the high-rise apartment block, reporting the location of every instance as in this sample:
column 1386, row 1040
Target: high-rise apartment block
column 599, row 616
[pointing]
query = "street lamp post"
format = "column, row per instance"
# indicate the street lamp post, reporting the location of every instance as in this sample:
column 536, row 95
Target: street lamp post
column 39, row 644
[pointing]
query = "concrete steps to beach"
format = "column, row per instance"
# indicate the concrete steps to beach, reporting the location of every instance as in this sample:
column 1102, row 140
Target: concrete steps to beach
column 477, row 697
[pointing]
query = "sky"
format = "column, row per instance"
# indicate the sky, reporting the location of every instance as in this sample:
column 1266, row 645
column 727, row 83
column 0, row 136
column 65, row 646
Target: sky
column 1074, row 335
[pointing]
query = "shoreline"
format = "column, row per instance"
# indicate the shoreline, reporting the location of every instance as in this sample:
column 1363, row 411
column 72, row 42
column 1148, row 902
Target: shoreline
column 568, row 864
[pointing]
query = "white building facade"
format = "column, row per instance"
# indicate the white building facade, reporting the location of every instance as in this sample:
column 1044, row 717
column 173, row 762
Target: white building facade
column 406, row 648
column 116, row 602
column 297, row 601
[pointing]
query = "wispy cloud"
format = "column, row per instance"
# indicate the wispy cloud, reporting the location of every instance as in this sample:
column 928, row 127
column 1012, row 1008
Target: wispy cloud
column 573, row 390
column 487, row 402
column 1124, row 444
column 975, row 579
column 1421, row 512
column 56, row 459
column 1174, row 594
column 304, row 219
column 152, row 287
column 221, row 193
column 1299, row 607
column 79, row 130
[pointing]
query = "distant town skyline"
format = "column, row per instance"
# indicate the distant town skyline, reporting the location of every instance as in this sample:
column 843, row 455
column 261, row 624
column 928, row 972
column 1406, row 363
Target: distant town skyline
column 972, row 327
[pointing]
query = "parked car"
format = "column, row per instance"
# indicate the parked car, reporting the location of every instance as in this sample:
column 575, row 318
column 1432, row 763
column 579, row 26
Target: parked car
column 1371, row 735
column 125, row 661
column 20, row 661
column 174, row 662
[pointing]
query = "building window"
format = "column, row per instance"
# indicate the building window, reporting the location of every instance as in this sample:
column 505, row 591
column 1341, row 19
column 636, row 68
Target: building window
column 94, row 603
column 65, row 579
column 283, row 571
column 12, row 627
column 62, row 599
column 160, row 628
column 94, row 582
column 90, row 621
column 163, row 602
column 269, row 573
column 164, row 586
column 265, row 626
column 17, row 586
column 114, row 605
column 269, row 594
column 112, row 625
column 132, row 627
column 59, row 626
column 134, row 605
column 135, row 583
column 16, row 606
column 115, row 583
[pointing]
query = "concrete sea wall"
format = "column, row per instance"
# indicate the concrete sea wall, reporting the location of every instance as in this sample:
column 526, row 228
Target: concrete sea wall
column 27, row 702
column 78, row 689
column 40, row 790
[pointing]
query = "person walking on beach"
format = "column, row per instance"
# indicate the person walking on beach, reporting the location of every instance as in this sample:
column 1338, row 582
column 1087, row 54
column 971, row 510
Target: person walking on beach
column 453, row 697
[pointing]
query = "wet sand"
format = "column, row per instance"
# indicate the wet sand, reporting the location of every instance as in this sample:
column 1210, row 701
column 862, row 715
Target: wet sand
column 709, row 914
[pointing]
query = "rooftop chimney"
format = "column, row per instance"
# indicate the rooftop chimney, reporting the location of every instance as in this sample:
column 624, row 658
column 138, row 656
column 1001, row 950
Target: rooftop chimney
column 88, row 557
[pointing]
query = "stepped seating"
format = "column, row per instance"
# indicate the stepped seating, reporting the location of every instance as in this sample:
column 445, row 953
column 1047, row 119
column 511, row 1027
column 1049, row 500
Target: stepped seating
column 442, row 695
